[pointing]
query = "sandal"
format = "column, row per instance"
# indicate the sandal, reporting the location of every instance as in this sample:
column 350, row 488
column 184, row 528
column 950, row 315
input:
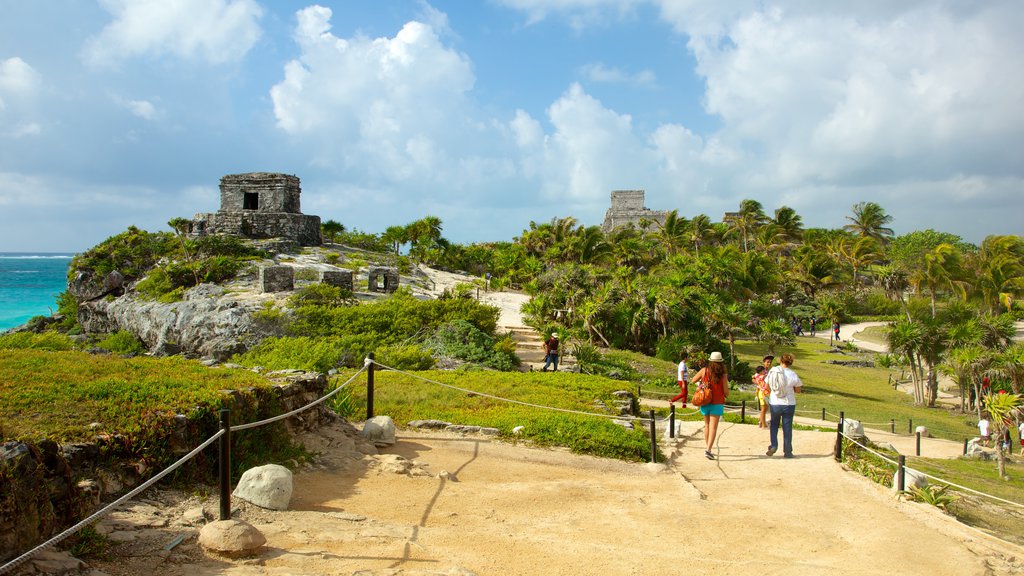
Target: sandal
column 709, row 455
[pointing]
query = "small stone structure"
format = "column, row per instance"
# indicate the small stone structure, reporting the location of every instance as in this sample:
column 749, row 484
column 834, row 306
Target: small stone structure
column 260, row 205
column 277, row 278
column 340, row 278
column 388, row 275
column 628, row 208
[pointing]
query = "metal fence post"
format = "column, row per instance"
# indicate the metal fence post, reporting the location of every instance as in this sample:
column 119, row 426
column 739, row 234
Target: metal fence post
column 743, row 412
column 225, row 465
column 838, row 452
column 901, row 474
column 672, row 421
column 910, row 425
column 965, row 446
column 892, row 425
column 654, row 440
column 823, row 414
column 918, row 443
column 369, row 387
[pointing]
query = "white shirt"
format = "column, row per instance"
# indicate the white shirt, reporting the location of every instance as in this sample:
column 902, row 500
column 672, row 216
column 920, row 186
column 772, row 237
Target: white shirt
column 1020, row 429
column 983, row 427
column 681, row 375
column 787, row 395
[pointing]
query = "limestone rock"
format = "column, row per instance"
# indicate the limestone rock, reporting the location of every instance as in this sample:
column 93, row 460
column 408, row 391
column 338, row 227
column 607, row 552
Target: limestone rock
column 853, row 429
column 56, row 562
column 380, row 430
column 922, row 430
column 231, row 538
column 912, row 479
column 267, row 486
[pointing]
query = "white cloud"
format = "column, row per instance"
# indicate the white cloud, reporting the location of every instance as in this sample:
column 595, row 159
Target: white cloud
column 17, row 77
column 141, row 108
column 393, row 108
column 216, row 31
column 598, row 72
column 579, row 13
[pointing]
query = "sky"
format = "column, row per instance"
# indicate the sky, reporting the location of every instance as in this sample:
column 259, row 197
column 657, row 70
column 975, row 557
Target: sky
column 491, row 114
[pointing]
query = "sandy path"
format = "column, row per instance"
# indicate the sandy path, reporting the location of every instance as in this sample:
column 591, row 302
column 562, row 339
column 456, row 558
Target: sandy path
column 514, row 510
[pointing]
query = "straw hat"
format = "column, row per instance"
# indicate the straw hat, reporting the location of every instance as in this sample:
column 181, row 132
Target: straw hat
column 715, row 357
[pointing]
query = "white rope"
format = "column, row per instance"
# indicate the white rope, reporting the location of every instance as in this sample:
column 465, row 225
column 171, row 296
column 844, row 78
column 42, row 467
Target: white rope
column 323, row 398
column 103, row 511
column 521, row 403
column 882, row 456
column 947, row 482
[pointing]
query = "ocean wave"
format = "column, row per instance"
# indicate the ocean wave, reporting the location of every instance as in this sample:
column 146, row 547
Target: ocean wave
column 36, row 256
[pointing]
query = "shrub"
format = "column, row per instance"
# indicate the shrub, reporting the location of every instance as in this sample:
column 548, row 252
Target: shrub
column 408, row 357
column 27, row 340
column 122, row 342
column 131, row 253
column 270, row 320
column 461, row 339
column 300, row 353
column 322, row 295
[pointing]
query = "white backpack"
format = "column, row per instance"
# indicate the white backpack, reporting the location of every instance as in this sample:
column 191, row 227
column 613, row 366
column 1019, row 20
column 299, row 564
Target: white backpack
column 776, row 380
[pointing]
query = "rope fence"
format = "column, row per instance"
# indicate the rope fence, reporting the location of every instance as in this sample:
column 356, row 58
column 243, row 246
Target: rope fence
column 368, row 367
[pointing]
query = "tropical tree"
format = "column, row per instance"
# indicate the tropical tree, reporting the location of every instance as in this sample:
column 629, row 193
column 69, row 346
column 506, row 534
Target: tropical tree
column 869, row 220
column 905, row 337
column 702, row 232
column 673, row 233
column 941, row 268
column 331, row 230
column 1002, row 408
column 181, row 227
column 747, row 220
column 774, row 332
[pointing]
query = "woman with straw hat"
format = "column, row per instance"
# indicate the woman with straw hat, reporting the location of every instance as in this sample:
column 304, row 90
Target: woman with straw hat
column 717, row 378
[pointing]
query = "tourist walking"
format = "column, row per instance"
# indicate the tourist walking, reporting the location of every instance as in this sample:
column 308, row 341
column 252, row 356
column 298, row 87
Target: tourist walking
column 984, row 429
column 835, row 330
column 784, row 385
column 551, row 353
column 762, row 389
column 714, row 376
column 681, row 379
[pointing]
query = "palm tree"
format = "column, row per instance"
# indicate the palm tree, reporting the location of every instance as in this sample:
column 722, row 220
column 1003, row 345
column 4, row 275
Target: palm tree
column 745, row 223
column 904, row 337
column 729, row 320
column 774, row 332
column 331, row 229
column 789, row 222
column 869, row 220
column 941, row 268
column 1002, row 408
column 673, row 232
column 701, row 232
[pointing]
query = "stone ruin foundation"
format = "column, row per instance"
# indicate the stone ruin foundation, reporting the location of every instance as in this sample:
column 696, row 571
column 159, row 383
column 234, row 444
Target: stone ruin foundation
column 340, row 278
column 277, row 278
column 387, row 277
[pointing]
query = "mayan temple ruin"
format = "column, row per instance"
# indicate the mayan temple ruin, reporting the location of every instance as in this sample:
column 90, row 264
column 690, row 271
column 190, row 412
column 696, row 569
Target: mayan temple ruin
column 628, row 209
column 260, row 205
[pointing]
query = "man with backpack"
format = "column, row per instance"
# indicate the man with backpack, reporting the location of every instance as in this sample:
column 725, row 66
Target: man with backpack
column 784, row 385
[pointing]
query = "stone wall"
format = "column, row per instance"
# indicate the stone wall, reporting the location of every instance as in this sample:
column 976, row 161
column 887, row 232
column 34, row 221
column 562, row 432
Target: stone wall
column 260, row 205
column 275, row 192
column 628, row 208
column 46, row 487
column 382, row 279
column 277, row 279
column 340, row 278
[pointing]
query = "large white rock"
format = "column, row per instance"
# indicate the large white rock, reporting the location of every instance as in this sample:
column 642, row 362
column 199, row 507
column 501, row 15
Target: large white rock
column 267, row 486
column 912, row 479
column 380, row 430
column 231, row 537
column 853, row 428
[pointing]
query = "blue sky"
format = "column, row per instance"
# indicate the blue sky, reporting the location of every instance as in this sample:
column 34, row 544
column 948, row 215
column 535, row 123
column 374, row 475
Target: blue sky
column 495, row 113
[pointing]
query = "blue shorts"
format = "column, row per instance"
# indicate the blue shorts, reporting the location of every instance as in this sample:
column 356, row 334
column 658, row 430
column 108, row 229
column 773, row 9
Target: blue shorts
column 712, row 409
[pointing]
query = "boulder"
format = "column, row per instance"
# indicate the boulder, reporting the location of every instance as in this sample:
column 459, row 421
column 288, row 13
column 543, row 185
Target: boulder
column 853, row 429
column 267, row 486
column 231, row 538
column 380, row 430
column 975, row 450
column 922, row 431
column 911, row 478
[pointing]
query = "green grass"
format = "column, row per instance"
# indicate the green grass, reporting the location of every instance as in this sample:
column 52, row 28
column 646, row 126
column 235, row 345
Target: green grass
column 57, row 395
column 863, row 394
column 1000, row 519
column 406, row 398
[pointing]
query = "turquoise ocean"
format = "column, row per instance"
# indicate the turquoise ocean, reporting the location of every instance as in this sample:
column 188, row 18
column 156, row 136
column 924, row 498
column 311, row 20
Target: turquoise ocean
column 29, row 285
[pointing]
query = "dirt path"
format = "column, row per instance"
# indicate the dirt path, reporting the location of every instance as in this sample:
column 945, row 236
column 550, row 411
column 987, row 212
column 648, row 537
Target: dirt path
column 492, row 508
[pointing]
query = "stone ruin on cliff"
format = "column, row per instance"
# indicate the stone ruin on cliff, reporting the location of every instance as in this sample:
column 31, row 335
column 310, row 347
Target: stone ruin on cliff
column 260, row 205
column 628, row 209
